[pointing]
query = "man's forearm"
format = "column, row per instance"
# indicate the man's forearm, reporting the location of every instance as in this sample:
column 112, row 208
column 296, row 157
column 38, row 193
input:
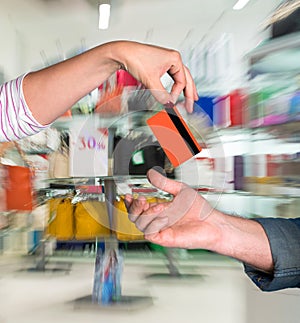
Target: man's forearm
column 245, row 240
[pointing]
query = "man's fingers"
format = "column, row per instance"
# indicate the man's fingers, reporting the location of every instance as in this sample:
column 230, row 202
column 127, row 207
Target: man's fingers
column 156, row 225
column 154, row 212
column 137, row 207
column 151, row 224
column 128, row 199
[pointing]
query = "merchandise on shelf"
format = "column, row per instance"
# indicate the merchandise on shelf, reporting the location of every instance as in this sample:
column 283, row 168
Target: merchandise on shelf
column 226, row 110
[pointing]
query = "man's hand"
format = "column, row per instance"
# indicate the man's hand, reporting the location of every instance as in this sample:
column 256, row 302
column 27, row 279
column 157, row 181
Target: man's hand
column 189, row 222
column 184, row 222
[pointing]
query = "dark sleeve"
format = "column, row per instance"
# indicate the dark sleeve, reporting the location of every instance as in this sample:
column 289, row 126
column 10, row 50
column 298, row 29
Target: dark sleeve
column 284, row 238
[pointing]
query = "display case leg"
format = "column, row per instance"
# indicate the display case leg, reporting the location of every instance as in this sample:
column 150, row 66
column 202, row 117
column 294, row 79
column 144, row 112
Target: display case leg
column 174, row 272
column 42, row 264
column 111, row 248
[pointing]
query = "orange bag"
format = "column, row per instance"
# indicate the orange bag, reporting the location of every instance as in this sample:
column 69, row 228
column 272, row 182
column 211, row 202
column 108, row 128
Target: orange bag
column 3, row 147
column 19, row 194
column 19, row 186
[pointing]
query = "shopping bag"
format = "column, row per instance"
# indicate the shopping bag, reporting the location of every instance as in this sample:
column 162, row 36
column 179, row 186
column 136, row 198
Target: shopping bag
column 19, row 194
column 17, row 181
column 2, row 189
column 58, row 165
column 125, row 229
column 3, row 147
column 91, row 220
column 61, row 218
column 59, row 159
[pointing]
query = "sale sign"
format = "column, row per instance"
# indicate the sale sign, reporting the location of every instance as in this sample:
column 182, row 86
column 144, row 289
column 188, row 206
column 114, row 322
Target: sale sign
column 88, row 149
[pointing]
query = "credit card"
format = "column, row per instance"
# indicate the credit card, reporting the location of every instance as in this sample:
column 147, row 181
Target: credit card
column 173, row 134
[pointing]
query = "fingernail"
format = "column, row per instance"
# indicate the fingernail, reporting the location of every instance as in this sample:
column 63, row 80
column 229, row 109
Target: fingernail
column 169, row 105
column 157, row 169
column 189, row 106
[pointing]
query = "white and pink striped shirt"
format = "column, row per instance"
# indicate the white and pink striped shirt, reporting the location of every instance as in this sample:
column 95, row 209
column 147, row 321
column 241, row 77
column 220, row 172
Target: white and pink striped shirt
column 16, row 119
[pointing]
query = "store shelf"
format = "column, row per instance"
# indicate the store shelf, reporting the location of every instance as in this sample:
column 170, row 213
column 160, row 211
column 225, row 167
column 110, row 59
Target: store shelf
column 280, row 55
column 289, row 131
column 122, row 122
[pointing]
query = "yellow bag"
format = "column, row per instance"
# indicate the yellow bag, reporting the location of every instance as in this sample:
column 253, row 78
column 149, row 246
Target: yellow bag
column 91, row 220
column 61, row 219
column 125, row 229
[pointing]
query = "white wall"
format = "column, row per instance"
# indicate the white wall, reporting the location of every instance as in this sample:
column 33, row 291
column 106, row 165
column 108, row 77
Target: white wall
column 29, row 27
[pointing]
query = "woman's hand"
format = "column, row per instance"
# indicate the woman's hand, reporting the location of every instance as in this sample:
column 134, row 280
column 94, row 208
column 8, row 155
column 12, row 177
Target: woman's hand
column 148, row 63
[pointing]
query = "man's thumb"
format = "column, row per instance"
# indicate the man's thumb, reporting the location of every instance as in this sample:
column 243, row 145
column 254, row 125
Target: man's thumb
column 163, row 183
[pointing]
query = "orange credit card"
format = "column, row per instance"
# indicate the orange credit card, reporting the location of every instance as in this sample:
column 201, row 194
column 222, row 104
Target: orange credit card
column 173, row 135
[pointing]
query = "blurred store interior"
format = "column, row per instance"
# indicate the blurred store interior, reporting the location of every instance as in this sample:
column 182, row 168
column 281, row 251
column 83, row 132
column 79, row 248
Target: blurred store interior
column 55, row 226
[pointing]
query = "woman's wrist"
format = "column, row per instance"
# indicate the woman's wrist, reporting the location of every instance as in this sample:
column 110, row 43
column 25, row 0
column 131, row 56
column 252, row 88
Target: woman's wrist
column 117, row 53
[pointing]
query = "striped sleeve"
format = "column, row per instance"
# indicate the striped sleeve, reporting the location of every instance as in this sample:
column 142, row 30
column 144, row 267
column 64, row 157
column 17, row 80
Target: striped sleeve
column 16, row 119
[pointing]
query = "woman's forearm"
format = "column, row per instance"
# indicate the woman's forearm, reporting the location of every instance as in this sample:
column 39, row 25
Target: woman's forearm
column 52, row 91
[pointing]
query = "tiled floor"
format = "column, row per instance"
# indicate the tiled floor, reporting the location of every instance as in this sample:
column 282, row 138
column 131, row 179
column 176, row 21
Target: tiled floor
column 221, row 293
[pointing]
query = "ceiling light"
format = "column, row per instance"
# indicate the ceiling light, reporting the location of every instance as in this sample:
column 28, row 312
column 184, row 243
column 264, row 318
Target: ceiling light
column 104, row 13
column 240, row 4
